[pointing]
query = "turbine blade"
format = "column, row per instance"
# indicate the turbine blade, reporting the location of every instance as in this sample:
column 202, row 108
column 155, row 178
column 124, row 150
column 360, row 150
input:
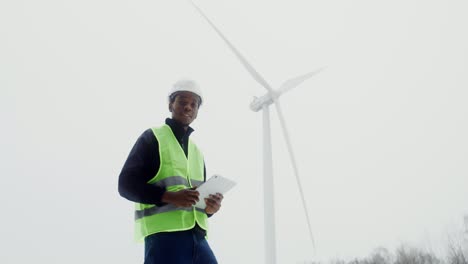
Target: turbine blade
column 244, row 62
column 294, row 82
column 293, row 162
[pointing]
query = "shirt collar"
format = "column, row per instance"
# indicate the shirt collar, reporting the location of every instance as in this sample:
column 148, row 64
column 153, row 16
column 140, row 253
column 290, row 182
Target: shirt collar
column 178, row 129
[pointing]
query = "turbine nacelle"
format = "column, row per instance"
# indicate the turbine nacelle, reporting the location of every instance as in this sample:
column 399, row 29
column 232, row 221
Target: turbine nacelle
column 266, row 100
column 272, row 95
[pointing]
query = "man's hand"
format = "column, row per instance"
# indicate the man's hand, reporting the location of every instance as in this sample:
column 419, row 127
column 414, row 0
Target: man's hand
column 213, row 203
column 182, row 198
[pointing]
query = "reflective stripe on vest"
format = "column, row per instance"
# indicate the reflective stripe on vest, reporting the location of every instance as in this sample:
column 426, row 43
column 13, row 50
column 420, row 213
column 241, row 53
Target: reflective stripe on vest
column 176, row 172
column 177, row 180
column 163, row 209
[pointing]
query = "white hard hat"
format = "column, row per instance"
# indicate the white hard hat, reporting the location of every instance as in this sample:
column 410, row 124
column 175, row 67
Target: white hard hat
column 186, row 85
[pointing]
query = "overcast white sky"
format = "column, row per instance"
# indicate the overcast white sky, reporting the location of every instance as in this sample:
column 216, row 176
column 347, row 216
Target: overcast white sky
column 380, row 135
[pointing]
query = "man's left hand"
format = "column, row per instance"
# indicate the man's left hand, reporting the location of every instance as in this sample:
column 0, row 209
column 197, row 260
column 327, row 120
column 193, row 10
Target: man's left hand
column 213, row 203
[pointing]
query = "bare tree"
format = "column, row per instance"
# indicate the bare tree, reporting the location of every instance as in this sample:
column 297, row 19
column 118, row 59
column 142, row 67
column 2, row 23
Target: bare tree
column 455, row 253
column 380, row 256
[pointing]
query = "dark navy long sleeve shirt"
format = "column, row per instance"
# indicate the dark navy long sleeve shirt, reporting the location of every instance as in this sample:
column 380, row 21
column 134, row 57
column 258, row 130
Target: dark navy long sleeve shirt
column 143, row 163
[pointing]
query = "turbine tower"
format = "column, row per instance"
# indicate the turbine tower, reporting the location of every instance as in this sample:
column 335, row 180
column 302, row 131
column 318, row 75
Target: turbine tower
column 263, row 103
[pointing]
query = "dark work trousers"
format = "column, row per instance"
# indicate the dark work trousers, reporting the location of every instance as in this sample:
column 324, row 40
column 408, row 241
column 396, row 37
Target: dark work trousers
column 182, row 247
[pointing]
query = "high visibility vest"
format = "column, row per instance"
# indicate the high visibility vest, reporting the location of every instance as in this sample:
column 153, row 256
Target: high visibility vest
column 176, row 172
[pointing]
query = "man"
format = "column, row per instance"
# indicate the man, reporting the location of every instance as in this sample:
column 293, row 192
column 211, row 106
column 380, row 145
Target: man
column 160, row 175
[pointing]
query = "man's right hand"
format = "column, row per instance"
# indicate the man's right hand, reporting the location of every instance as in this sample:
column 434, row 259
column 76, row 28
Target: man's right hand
column 182, row 198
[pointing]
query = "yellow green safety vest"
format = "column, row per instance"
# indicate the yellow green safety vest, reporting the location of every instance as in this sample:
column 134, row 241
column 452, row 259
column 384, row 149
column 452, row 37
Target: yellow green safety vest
column 176, row 172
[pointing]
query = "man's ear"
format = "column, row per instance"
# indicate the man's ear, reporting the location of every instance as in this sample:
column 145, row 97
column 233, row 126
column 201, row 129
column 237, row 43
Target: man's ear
column 170, row 107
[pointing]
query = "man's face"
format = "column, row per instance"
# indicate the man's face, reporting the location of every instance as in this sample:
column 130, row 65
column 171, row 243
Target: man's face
column 185, row 107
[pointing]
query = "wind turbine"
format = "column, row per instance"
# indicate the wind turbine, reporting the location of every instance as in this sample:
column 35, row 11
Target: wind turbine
column 263, row 103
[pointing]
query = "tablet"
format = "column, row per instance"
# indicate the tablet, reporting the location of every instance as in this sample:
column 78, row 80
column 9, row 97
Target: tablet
column 215, row 184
